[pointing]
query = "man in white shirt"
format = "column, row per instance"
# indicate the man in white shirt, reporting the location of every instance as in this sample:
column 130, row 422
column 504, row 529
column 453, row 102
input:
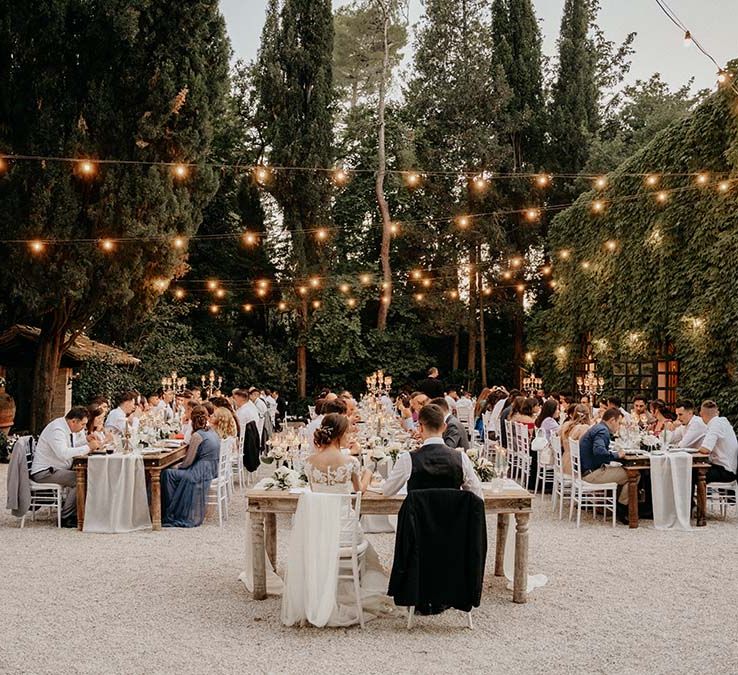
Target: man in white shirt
column 433, row 464
column 59, row 443
column 720, row 443
column 261, row 411
column 245, row 411
column 118, row 418
column 616, row 402
column 271, row 404
column 451, row 398
column 691, row 429
column 164, row 406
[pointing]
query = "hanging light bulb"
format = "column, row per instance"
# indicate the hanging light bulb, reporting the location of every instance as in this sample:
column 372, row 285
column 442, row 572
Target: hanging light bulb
column 220, row 293
column 37, row 246
column 365, row 279
column 416, row 274
column 86, row 168
column 611, row 245
column 262, row 174
column 419, row 297
column 344, row 288
column 520, row 288
column 394, row 228
column 601, row 183
column 107, row 245
column 532, row 214
column 249, row 238
column 702, row 178
column 340, row 177
column 214, row 309
column 351, row 302
column 546, row 270
column 724, row 186
column 479, row 183
column 543, row 180
column 179, row 242
column 385, row 299
column 426, row 283
column 507, row 274
column 598, row 206
column 487, row 290
column 564, row 254
column 3, row 165
column 315, row 282
column 662, row 196
column 302, row 290
column 411, row 178
column 462, row 222
column 248, row 307
column 179, row 293
column 180, row 171
column 282, row 306
column 454, row 294
column 161, row 285
column 586, row 265
column 321, row 234
column 212, row 284
column 261, row 292
column 516, row 262
column 652, row 179
column 316, row 304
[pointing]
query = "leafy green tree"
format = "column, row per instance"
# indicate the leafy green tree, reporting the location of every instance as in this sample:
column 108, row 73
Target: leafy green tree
column 127, row 80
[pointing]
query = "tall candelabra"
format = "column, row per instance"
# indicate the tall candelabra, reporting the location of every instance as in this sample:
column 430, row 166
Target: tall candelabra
column 174, row 383
column 208, row 384
column 531, row 384
column 591, row 385
column 378, row 383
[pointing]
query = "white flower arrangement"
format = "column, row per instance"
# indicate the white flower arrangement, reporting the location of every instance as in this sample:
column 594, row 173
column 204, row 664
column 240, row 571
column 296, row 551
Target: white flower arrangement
column 376, row 454
column 283, row 479
column 482, row 466
column 650, row 441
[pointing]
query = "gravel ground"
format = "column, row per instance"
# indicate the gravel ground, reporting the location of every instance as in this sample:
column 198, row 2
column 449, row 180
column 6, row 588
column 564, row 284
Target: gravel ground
column 169, row 602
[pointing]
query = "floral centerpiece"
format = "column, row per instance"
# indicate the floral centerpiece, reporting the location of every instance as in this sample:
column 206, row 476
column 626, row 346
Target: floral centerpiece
column 283, row 478
column 275, row 453
column 484, row 469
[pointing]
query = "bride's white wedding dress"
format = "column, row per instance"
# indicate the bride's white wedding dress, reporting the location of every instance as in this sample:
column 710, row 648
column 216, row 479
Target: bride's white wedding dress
column 312, row 590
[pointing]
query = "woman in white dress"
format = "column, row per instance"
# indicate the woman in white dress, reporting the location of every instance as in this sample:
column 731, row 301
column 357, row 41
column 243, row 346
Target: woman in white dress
column 307, row 595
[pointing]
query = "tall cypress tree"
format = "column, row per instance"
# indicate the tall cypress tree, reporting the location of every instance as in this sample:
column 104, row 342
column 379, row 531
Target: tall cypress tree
column 129, row 80
column 296, row 102
column 574, row 113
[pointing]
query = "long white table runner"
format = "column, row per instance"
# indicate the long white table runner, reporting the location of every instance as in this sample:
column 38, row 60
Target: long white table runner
column 671, row 490
column 116, row 494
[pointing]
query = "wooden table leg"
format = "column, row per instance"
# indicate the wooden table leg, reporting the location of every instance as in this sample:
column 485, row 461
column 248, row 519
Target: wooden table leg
column 81, row 470
column 270, row 533
column 701, row 496
column 155, row 508
column 632, row 497
column 502, row 520
column 258, row 562
column 520, row 580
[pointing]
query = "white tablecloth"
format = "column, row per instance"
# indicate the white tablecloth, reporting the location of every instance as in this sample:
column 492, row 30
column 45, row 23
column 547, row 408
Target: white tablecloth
column 671, row 490
column 116, row 494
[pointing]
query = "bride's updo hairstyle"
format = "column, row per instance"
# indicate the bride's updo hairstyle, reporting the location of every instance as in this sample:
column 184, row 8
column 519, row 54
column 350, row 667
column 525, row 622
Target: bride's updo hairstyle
column 333, row 426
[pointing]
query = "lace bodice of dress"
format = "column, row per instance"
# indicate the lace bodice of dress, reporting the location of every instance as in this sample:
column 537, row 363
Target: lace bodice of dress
column 332, row 479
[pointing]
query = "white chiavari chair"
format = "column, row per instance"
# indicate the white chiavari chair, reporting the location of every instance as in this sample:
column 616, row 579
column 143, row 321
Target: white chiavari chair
column 585, row 494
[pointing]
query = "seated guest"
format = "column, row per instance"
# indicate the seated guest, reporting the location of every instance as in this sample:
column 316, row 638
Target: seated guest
column 223, row 423
column 120, row 418
column 314, row 423
column 720, row 443
column 595, row 453
column 510, row 407
column 617, row 403
column 451, row 398
column 433, row 464
column 662, row 418
column 640, row 414
column 546, row 419
column 526, row 414
column 574, row 427
column 164, row 407
column 59, row 443
column 187, row 420
column 409, row 413
column 185, row 489
column 690, row 429
column 95, row 426
column 223, row 402
column 196, row 394
column 101, row 403
column 454, row 435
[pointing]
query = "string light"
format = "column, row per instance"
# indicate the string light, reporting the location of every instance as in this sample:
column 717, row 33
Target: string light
column 351, row 302
column 454, row 294
column 365, row 279
column 340, row 177
column 702, row 178
column 316, row 304
column 179, row 293
column 180, row 171
column 542, row 180
column 262, row 174
column 601, row 183
column 179, row 242
column 385, row 285
column 3, row 165
column 37, row 246
column 516, row 262
column 611, row 245
column 282, row 306
column 249, row 238
column 214, row 309
column 322, row 234
column 302, row 290
column 262, row 283
column 107, row 245
column 416, row 274
column 533, row 214
column 385, row 299
column 561, row 352
column 486, row 291
column 552, row 283
column 394, row 228
column 419, row 297
column 652, row 179
column 598, row 206
column 344, row 288
column 479, row 183
column 507, row 274
column 220, row 293
column 411, row 178
column 462, row 222
column 261, row 292
column 426, row 283
column 87, row 168
column 724, row 186
column 212, row 284
column 315, row 282
column 161, row 284
column 520, row 288
column 546, row 270
column 564, row 254
column 247, row 307
column 586, row 265
column 662, row 196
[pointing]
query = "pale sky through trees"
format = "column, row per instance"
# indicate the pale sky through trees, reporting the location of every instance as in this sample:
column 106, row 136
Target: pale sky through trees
column 659, row 45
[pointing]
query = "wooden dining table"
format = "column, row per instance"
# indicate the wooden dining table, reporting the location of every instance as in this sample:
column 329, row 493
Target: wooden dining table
column 264, row 505
column 636, row 463
column 154, row 464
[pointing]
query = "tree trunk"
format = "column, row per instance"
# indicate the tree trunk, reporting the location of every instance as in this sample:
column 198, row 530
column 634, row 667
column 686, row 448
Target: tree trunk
column 455, row 353
column 46, row 369
column 518, row 344
column 386, row 288
column 482, row 342
column 302, row 350
column 471, row 364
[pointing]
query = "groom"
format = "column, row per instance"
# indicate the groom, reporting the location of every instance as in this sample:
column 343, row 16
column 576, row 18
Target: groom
column 433, row 464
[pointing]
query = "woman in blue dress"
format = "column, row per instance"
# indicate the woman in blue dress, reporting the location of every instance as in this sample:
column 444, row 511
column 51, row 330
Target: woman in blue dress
column 185, row 488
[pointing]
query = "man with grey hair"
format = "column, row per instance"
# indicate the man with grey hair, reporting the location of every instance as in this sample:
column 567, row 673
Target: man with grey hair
column 720, row 444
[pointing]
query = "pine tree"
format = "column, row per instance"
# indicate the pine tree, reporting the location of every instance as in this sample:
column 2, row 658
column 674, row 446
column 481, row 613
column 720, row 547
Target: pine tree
column 129, row 80
column 294, row 81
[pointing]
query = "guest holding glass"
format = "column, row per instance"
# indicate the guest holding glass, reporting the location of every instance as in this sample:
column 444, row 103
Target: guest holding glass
column 185, row 488
column 720, row 444
column 690, row 429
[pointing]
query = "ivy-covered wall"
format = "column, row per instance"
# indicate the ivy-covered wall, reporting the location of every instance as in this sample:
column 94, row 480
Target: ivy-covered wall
column 643, row 273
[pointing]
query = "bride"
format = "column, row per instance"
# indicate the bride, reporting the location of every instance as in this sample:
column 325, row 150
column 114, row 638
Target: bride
column 312, row 591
